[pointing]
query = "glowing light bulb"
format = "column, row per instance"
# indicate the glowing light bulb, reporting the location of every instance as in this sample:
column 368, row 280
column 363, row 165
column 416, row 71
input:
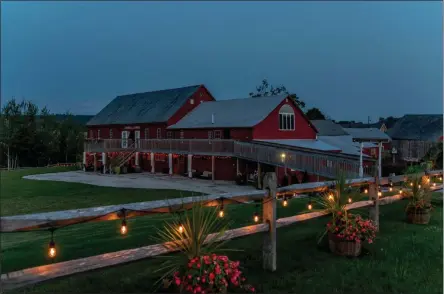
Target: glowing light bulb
column 283, row 155
column 440, row 178
column 366, row 191
column 180, row 228
column 52, row 252
column 310, row 206
column 256, row 217
column 221, row 213
column 411, row 184
column 330, row 197
column 285, row 203
column 434, row 184
column 400, row 191
column 123, row 228
column 379, row 193
column 350, row 200
column 390, row 189
column 419, row 186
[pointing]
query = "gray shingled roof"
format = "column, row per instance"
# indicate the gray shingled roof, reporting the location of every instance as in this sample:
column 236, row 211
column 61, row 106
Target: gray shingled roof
column 328, row 128
column 246, row 112
column 422, row 127
column 148, row 107
column 345, row 144
column 367, row 134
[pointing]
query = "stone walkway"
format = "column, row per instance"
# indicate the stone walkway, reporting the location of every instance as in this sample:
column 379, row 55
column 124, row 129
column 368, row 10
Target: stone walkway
column 143, row 180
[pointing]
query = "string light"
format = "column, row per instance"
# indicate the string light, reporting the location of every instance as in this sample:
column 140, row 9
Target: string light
column 400, row 190
column 285, row 202
column 349, row 200
column 379, row 193
column 411, row 184
column 123, row 227
column 390, row 189
column 434, row 184
column 419, row 186
column 180, row 228
column 440, row 178
column 310, row 206
column 366, row 191
column 330, row 196
column 52, row 252
column 256, row 214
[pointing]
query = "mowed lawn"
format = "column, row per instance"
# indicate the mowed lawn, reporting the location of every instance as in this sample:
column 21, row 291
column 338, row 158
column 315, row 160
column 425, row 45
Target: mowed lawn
column 405, row 258
column 22, row 196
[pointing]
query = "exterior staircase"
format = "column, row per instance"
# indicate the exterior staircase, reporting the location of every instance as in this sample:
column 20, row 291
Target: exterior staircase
column 123, row 158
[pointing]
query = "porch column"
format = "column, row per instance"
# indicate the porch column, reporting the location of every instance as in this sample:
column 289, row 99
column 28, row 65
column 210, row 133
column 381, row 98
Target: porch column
column 237, row 166
column 84, row 161
column 136, row 159
column 212, row 167
column 104, row 162
column 95, row 163
column 190, row 158
column 152, row 162
column 259, row 178
column 361, row 168
column 170, row 163
column 380, row 160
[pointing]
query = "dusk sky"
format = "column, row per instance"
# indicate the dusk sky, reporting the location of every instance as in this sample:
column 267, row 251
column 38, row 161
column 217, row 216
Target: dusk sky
column 350, row 59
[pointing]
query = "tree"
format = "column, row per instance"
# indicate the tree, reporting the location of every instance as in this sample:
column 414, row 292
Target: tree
column 315, row 113
column 265, row 89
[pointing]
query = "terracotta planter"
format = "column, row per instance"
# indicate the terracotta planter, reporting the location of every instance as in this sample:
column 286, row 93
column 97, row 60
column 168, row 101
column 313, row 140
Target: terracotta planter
column 343, row 247
column 418, row 216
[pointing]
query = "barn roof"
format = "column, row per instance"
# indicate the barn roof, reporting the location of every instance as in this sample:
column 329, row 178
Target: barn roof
column 328, row 128
column 367, row 134
column 148, row 107
column 421, row 127
column 246, row 112
column 345, row 144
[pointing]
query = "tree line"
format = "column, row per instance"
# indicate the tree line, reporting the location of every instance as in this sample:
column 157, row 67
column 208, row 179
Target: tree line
column 30, row 136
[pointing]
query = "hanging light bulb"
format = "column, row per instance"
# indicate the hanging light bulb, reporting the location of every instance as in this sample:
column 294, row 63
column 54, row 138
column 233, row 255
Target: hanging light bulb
column 349, row 200
column 256, row 217
column 52, row 252
column 330, row 196
column 411, row 184
column 310, row 206
column 390, row 189
column 440, row 178
column 379, row 193
column 366, row 191
column 123, row 227
column 285, row 202
column 221, row 213
column 180, row 228
column 400, row 190
column 419, row 186
column 434, row 184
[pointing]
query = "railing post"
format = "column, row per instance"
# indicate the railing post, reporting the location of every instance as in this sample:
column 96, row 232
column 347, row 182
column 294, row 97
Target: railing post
column 373, row 195
column 269, row 216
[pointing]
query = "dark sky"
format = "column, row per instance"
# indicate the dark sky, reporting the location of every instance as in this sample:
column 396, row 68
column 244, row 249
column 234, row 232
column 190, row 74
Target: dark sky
column 350, row 59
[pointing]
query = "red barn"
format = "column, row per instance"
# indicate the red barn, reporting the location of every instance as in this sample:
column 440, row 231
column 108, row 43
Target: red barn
column 186, row 131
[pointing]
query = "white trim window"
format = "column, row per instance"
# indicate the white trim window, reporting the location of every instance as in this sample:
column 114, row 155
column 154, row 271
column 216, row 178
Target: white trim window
column 159, row 133
column 147, row 133
column 110, row 133
column 218, row 134
column 286, row 118
column 125, row 135
column 169, row 135
column 191, row 101
column 210, row 135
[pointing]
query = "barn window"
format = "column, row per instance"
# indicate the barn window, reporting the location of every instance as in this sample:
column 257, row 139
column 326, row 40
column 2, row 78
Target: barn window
column 110, row 133
column 217, row 134
column 169, row 135
column 147, row 133
column 91, row 134
column 286, row 118
column 159, row 133
column 191, row 101
column 182, row 134
column 210, row 135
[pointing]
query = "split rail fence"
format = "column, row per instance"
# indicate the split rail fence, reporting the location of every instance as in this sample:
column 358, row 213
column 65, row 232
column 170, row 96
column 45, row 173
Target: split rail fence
column 268, row 196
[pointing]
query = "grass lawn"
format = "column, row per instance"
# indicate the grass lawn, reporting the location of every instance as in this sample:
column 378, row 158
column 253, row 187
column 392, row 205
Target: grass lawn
column 405, row 258
column 22, row 196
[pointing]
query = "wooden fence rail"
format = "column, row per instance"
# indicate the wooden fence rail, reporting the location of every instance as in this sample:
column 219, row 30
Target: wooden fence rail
column 113, row 212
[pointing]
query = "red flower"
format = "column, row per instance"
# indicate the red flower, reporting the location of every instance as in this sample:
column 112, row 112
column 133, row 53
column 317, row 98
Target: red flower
column 217, row 270
column 211, row 276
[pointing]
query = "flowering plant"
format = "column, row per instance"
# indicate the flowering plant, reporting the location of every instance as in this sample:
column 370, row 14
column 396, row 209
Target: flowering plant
column 210, row 274
column 352, row 227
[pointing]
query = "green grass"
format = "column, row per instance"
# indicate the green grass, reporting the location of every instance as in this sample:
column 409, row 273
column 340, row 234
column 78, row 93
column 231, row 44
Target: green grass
column 404, row 259
column 22, row 196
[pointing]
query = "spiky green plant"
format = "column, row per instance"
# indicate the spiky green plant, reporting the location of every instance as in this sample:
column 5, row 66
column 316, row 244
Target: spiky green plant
column 420, row 196
column 194, row 233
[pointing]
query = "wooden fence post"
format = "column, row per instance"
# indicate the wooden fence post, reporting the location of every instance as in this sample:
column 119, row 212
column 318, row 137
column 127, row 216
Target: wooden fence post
column 373, row 195
column 269, row 216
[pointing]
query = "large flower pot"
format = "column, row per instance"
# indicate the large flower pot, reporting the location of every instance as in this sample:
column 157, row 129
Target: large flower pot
column 343, row 247
column 418, row 215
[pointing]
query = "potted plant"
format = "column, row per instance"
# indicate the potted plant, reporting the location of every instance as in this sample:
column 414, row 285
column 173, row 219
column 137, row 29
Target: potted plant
column 419, row 206
column 345, row 231
column 198, row 268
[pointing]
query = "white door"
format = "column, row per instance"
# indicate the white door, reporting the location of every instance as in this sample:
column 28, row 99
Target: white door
column 136, row 138
column 125, row 139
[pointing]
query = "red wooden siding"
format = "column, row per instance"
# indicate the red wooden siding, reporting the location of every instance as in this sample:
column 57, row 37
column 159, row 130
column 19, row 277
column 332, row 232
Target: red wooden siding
column 269, row 127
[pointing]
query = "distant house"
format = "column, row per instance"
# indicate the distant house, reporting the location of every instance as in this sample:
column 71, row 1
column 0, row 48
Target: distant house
column 414, row 134
column 381, row 125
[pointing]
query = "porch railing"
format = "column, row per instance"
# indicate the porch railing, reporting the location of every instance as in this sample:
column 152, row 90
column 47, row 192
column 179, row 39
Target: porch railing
column 322, row 164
